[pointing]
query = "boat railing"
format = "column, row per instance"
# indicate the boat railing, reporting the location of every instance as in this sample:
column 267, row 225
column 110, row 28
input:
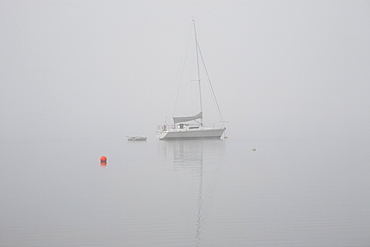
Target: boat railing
column 179, row 127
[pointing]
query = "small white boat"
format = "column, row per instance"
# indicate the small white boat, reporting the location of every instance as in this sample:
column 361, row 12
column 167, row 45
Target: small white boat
column 136, row 138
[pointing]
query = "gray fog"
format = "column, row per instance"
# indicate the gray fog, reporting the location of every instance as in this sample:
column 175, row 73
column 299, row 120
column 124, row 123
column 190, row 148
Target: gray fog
column 280, row 69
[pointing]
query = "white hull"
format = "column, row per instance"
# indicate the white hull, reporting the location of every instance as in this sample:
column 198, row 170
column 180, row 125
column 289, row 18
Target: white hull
column 173, row 134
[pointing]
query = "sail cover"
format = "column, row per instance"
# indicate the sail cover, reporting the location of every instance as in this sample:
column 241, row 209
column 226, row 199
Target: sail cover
column 186, row 119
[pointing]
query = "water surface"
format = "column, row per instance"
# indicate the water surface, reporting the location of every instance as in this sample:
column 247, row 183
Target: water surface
column 185, row 193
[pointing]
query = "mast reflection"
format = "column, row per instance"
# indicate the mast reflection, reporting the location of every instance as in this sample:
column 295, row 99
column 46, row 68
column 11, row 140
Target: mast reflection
column 198, row 157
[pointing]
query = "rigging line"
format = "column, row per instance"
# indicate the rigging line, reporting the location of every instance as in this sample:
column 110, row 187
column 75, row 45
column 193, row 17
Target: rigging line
column 209, row 80
column 182, row 73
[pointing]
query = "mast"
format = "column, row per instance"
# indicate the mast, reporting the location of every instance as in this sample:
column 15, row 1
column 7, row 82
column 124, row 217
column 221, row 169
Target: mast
column 198, row 79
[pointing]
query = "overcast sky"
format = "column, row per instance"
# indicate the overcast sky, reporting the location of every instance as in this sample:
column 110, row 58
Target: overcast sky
column 74, row 69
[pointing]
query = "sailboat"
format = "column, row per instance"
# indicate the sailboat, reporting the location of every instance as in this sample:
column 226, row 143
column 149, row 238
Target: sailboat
column 192, row 127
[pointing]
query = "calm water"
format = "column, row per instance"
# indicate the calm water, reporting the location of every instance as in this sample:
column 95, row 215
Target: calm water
column 185, row 193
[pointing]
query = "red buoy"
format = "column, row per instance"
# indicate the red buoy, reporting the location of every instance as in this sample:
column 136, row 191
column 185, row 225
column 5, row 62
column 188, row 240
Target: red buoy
column 103, row 159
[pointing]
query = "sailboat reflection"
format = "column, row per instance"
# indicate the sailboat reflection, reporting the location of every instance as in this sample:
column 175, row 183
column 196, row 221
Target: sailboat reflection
column 201, row 158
